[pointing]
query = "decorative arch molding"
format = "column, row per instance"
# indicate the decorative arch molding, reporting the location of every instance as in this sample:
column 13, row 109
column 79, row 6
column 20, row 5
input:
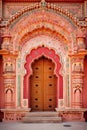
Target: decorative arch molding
column 41, row 41
column 47, row 41
column 35, row 54
column 42, row 51
column 11, row 89
column 39, row 19
column 47, row 29
column 46, row 6
column 43, row 31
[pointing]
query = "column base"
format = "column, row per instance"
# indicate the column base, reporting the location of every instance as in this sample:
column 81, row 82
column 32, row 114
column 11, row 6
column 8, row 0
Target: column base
column 70, row 114
column 14, row 114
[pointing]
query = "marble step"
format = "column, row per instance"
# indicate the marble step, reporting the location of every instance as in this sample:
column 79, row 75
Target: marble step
column 42, row 114
column 42, row 119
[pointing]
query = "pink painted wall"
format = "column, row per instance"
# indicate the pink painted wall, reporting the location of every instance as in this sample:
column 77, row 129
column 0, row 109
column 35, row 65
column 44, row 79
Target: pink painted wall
column 85, row 84
column 1, row 84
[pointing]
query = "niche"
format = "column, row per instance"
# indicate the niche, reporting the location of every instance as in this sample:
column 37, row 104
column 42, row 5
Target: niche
column 9, row 95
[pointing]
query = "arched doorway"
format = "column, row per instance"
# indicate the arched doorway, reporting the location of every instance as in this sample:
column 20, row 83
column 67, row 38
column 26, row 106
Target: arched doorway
column 43, row 85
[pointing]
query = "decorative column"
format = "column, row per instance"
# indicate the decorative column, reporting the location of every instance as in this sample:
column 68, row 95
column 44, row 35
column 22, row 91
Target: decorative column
column 9, row 73
column 9, row 62
column 77, row 70
column 9, row 76
column 80, row 40
column 7, row 44
column 0, row 9
column 77, row 74
column 85, row 8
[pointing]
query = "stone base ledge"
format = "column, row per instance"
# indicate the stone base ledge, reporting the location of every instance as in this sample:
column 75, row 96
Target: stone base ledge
column 67, row 114
column 71, row 114
column 14, row 114
column 71, row 109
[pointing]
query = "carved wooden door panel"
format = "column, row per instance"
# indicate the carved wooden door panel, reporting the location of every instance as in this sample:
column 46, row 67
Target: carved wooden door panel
column 43, row 85
column 50, row 82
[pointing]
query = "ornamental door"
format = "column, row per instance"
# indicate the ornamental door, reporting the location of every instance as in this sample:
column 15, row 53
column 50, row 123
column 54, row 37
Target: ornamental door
column 43, row 85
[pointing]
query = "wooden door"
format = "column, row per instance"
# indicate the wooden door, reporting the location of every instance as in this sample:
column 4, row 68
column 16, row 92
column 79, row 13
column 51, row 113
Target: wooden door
column 43, row 85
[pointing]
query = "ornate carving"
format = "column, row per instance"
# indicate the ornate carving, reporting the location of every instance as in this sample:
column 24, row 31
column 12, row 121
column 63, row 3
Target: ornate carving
column 61, row 103
column 9, row 80
column 9, row 64
column 14, row 116
column 81, row 39
column 38, row 5
column 9, row 67
column 77, row 64
column 43, row 3
column 85, row 8
column 25, row 103
column 38, row 27
column 41, row 51
column 77, row 81
column 71, row 114
column 77, row 67
column 0, row 8
column 46, row 25
column 7, row 44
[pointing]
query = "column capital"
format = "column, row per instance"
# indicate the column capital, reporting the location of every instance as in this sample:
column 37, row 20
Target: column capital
column 79, row 54
column 80, row 33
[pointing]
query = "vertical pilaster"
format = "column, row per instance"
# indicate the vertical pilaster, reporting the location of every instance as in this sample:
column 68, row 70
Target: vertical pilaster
column 9, row 75
column 9, row 70
column 7, row 43
column 0, row 9
column 85, row 8
column 77, row 69
column 80, row 39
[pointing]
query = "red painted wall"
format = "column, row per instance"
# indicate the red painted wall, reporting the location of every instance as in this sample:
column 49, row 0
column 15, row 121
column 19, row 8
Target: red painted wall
column 85, row 84
column 1, row 84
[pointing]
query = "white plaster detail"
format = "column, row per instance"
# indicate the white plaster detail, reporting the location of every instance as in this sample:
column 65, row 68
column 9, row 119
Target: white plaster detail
column 61, row 103
column 25, row 103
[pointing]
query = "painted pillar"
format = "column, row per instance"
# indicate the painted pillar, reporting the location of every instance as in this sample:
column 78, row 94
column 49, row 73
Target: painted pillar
column 1, row 84
column 0, row 9
column 85, row 83
column 9, row 81
column 80, row 40
column 9, row 73
column 77, row 69
column 6, row 41
column 85, row 8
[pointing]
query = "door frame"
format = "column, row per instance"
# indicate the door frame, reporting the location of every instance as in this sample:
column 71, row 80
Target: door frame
column 50, row 54
column 41, row 61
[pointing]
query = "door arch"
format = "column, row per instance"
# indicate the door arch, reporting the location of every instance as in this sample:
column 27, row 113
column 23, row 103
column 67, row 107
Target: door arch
column 43, row 85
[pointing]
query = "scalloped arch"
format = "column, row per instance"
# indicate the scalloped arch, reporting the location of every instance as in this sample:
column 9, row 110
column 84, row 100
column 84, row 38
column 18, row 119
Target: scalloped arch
column 46, row 41
column 35, row 54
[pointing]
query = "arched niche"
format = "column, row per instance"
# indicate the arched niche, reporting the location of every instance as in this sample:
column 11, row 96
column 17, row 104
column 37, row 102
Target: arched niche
column 9, row 96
